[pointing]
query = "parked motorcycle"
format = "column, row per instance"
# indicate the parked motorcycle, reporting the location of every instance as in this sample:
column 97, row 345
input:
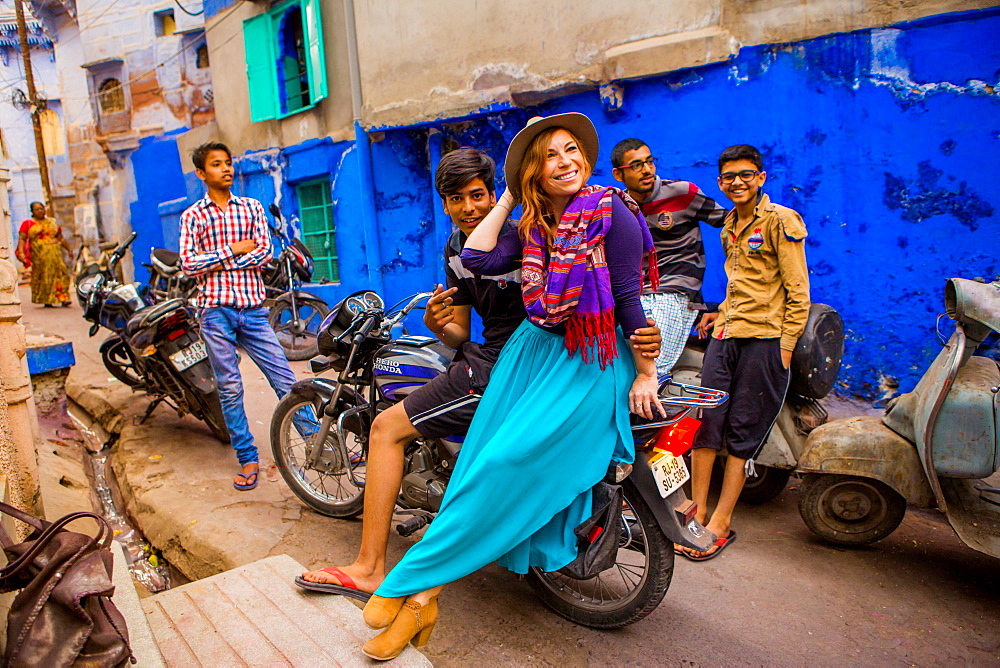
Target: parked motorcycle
column 937, row 446
column 815, row 367
column 156, row 348
column 295, row 315
column 166, row 278
column 319, row 439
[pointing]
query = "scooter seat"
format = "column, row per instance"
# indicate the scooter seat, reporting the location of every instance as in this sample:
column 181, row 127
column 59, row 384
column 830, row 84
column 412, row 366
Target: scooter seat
column 143, row 318
column 166, row 261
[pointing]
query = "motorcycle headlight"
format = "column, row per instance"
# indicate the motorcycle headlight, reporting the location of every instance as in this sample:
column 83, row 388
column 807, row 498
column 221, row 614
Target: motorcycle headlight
column 85, row 286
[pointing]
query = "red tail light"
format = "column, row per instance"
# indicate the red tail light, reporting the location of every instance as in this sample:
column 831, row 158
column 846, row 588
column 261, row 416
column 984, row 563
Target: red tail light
column 687, row 511
column 678, row 437
column 172, row 325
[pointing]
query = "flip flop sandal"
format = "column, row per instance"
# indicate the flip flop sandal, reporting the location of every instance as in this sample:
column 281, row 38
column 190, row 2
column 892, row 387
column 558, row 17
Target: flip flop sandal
column 346, row 588
column 720, row 545
column 247, row 485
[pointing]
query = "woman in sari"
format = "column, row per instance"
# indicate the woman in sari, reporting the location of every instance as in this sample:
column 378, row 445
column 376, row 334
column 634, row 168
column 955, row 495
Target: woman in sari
column 555, row 413
column 49, row 276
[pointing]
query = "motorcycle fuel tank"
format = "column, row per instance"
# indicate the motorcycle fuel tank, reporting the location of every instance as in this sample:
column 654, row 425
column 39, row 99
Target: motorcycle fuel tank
column 408, row 363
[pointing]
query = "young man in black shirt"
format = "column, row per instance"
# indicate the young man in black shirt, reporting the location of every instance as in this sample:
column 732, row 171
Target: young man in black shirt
column 444, row 406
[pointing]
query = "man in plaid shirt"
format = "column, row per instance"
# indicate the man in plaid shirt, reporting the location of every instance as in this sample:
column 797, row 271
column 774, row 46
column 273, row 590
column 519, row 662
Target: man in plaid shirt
column 224, row 245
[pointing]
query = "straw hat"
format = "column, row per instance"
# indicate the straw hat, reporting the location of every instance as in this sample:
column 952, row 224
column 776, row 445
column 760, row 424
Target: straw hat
column 581, row 127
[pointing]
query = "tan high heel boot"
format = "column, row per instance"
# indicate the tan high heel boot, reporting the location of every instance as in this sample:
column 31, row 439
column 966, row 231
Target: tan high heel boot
column 379, row 612
column 414, row 623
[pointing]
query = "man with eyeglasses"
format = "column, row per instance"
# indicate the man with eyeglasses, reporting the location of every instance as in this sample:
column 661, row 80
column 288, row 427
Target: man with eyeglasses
column 673, row 211
column 752, row 336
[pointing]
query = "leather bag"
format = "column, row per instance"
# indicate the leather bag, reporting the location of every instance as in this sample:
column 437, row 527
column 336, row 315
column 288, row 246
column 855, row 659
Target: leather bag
column 63, row 614
column 597, row 538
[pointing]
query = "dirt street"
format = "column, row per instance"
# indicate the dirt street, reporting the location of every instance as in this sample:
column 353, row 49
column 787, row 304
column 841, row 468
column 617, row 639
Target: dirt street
column 777, row 596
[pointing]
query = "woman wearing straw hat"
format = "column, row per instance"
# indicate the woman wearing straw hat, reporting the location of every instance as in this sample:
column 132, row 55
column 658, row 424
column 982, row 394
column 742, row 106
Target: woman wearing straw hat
column 555, row 413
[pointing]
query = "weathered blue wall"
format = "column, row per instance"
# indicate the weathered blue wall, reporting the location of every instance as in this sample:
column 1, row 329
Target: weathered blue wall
column 879, row 138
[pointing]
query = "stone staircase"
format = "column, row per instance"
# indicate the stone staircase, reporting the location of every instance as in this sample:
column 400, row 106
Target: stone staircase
column 255, row 615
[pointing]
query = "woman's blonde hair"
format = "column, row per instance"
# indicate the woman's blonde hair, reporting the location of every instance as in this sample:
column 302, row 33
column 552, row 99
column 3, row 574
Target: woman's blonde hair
column 534, row 200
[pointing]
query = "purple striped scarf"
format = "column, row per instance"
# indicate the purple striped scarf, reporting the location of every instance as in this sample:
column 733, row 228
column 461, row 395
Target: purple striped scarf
column 574, row 286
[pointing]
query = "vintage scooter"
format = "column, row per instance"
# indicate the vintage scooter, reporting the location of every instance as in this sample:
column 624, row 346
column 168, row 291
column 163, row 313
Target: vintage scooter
column 815, row 367
column 937, row 446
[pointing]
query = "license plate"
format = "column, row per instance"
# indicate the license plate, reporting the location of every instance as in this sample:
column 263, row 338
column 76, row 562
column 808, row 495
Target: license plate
column 670, row 472
column 189, row 356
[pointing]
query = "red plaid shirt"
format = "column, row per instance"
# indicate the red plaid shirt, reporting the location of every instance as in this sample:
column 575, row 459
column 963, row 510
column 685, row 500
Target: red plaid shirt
column 207, row 231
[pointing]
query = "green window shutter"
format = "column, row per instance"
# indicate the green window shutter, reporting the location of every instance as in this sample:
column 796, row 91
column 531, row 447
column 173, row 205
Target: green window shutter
column 318, row 230
column 262, row 79
column 316, row 62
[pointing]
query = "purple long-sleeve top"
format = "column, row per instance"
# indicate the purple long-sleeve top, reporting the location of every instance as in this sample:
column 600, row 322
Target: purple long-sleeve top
column 623, row 251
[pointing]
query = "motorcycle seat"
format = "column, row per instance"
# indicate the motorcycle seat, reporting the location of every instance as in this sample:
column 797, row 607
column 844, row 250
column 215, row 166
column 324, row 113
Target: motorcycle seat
column 166, row 261
column 145, row 317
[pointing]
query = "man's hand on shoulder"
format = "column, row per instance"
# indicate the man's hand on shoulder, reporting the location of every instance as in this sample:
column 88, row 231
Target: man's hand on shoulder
column 647, row 340
column 243, row 246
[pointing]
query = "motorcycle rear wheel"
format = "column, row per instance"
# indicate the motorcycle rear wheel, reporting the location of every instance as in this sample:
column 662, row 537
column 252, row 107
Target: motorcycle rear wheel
column 118, row 359
column 626, row 592
column 329, row 492
column 299, row 343
column 210, row 408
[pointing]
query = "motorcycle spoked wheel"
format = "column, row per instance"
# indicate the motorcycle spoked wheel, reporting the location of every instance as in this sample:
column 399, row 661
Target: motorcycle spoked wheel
column 210, row 408
column 329, row 492
column 299, row 343
column 626, row 592
column 119, row 361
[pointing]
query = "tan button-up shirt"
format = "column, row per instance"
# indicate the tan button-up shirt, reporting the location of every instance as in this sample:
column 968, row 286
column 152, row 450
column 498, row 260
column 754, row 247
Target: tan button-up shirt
column 767, row 296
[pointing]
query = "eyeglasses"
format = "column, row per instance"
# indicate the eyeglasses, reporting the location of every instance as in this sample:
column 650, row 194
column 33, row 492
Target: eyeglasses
column 745, row 176
column 639, row 164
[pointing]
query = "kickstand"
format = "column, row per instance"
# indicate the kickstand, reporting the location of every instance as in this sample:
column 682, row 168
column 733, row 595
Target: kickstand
column 149, row 409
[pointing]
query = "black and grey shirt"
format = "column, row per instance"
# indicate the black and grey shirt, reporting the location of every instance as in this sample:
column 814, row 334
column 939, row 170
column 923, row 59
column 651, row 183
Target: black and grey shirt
column 497, row 299
column 674, row 212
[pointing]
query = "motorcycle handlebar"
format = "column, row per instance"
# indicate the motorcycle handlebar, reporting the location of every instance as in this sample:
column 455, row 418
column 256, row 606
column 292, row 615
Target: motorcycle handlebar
column 403, row 312
column 120, row 252
column 366, row 328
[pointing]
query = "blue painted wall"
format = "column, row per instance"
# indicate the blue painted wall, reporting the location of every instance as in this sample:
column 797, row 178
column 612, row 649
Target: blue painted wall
column 879, row 138
column 156, row 165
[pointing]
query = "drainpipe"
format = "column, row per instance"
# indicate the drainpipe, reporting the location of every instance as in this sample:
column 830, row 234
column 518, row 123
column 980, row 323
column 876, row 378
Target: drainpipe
column 369, row 222
column 442, row 221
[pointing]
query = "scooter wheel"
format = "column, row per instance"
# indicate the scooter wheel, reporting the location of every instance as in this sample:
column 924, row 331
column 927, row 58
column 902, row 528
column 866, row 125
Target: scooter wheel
column 767, row 484
column 849, row 510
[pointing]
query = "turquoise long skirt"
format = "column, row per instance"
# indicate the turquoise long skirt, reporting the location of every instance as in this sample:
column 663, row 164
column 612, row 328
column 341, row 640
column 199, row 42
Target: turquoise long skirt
column 544, row 434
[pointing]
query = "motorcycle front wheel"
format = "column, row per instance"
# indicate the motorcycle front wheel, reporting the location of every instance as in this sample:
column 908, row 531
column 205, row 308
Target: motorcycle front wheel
column 299, row 341
column 326, row 487
column 626, row 592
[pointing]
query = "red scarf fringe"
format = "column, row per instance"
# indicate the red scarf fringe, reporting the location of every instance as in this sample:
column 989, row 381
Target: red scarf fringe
column 653, row 269
column 589, row 332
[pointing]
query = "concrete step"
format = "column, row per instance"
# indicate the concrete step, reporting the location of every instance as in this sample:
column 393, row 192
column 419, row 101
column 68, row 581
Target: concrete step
column 255, row 615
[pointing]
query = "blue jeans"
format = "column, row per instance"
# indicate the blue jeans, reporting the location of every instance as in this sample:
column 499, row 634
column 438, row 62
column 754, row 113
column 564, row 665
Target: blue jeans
column 224, row 329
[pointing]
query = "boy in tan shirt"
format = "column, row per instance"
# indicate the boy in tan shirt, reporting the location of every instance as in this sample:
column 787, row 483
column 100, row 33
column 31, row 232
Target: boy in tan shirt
column 753, row 335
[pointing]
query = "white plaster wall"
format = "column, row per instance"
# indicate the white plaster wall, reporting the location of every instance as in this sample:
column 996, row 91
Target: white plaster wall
column 428, row 59
column 427, row 55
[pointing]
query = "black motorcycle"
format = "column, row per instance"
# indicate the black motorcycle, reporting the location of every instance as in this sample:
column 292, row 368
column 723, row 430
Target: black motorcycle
column 156, row 347
column 319, row 439
column 294, row 314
